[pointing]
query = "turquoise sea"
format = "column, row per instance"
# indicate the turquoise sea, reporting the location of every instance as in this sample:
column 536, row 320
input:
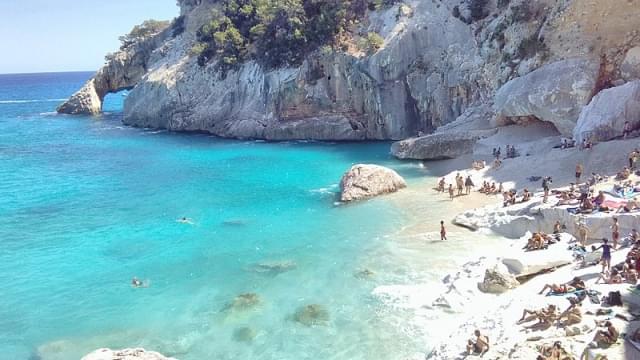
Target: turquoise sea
column 86, row 204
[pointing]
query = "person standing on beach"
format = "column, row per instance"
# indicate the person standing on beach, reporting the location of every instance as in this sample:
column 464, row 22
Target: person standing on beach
column 579, row 170
column 583, row 232
column 443, row 231
column 468, row 184
column 460, row 184
column 615, row 232
column 545, row 186
column 606, row 254
column 632, row 158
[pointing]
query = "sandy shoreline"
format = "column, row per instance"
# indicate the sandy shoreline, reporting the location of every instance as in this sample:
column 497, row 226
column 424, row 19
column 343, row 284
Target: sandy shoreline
column 496, row 315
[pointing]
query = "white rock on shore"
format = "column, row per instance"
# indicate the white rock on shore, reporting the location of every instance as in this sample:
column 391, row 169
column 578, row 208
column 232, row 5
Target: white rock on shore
column 126, row 354
column 365, row 181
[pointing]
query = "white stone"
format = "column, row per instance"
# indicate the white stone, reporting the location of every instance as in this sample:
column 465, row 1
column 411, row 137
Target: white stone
column 126, row 354
column 365, row 181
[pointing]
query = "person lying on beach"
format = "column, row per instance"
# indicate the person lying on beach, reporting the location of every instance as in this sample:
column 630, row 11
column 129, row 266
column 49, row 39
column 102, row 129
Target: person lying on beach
column 631, row 205
column 480, row 346
column 575, row 284
column 545, row 316
column 557, row 289
column 605, row 338
column 565, row 199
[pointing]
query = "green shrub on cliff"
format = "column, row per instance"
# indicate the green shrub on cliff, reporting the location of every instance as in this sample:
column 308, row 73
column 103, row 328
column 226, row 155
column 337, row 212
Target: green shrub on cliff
column 277, row 32
column 147, row 28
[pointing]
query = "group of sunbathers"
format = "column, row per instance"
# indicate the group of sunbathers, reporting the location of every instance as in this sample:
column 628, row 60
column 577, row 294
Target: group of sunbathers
column 511, row 197
column 540, row 240
column 490, row 188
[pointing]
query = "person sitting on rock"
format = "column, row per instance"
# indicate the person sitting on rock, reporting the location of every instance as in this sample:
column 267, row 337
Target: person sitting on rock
column 599, row 200
column 607, row 337
column 557, row 227
column 545, row 316
column 587, row 206
column 526, row 195
column 624, row 174
column 626, row 130
column 536, row 242
column 492, row 188
column 480, row 346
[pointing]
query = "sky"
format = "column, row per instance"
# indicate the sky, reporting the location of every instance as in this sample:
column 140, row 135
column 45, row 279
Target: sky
column 69, row 35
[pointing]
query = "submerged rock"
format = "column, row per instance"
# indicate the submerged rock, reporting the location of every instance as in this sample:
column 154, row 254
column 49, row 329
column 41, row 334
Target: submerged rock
column 244, row 302
column 365, row 181
column 275, row 267
column 497, row 280
column 126, row 354
column 364, row 274
column 312, row 315
column 555, row 93
column 603, row 119
column 244, row 334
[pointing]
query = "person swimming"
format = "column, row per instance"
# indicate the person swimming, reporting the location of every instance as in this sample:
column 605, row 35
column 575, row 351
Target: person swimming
column 137, row 283
column 185, row 220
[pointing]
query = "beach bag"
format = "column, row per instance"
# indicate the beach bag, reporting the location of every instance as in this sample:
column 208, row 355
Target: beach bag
column 614, row 298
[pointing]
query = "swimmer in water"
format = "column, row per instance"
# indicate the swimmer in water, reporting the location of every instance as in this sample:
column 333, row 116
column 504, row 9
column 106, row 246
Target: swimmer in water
column 136, row 283
column 185, row 220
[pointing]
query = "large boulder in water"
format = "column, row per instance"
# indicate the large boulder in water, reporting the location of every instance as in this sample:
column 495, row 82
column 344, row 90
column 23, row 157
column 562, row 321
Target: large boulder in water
column 365, row 181
column 497, row 280
column 244, row 302
column 126, row 354
column 604, row 118
column 556, row 93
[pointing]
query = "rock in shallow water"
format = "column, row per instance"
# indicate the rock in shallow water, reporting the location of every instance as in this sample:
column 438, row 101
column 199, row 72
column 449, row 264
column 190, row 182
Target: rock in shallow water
column 365, row 181
column 274, row 267
column 244, row 302
column 126, row 354
column 311, row 315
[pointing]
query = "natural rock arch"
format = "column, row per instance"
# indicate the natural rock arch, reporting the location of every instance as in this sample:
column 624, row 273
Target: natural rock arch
column 122, row 71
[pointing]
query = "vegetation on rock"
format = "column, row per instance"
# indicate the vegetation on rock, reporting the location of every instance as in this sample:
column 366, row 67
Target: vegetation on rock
column 278, row 32
column 139, row 32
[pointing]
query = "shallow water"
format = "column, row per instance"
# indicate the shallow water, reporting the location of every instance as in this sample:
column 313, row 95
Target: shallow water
column 86, row 204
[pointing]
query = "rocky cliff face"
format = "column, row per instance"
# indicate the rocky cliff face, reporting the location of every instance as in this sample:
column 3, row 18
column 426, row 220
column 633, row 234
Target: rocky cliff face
column 440, row 59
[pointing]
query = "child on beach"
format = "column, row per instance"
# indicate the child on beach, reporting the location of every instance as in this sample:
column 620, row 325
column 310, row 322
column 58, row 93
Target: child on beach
column 451, row 193
column 443, row 231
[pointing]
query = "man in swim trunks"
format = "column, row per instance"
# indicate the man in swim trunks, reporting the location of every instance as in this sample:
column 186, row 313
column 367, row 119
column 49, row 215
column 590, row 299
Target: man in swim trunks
column 606, row 254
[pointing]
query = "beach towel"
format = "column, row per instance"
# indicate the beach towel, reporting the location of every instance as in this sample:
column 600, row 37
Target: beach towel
column 574, row 210
column 613, row 204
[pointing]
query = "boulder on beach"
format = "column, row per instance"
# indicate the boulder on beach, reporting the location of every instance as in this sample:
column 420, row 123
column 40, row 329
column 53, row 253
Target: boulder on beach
column 438, row 146
column 524, row 263
column 498, row 279
column 365, row 181
column 126, row 354
column 555, row 93
column 630, row 67
column 603, row 119
column 311, row 315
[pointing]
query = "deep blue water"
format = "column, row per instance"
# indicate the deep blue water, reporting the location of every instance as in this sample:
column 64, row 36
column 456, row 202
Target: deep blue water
column 86, row 204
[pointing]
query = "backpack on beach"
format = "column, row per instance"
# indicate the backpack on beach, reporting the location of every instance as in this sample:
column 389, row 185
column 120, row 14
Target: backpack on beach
column 614, row 298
